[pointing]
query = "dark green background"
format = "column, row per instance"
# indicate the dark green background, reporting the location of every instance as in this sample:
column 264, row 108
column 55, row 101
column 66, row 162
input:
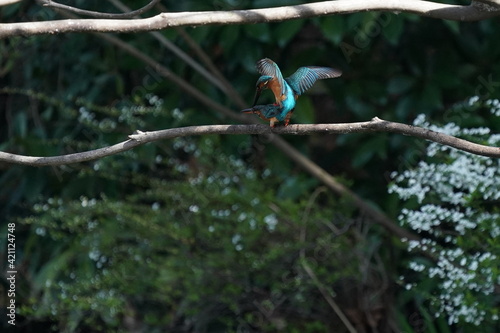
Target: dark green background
column 216, row 233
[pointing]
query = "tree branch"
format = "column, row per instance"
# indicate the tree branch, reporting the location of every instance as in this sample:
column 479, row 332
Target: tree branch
column 375, row 125
column 478, row 10
column 303, row 260
column 78, row 11
column 327, row 295
column 8, row 2
column 140, row 138
column 290, row 151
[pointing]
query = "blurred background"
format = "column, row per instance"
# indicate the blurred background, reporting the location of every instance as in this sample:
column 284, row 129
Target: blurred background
column 221, row 233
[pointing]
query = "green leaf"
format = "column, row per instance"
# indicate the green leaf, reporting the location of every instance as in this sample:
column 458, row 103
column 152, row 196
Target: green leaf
column 355, row 21
column 358, row 106
column 431, row 96
column 333, row 28
column 283, row 32
column 376, row 145
column 20, row 124
column 400, row 84
column 427, row 320
column 404, row 106
column 402, row 321
column 259, row 31
column 199, row 34
column 53, row 267
column 304, row 111
column 274, row 3
column 394, row 29
column 294, row 187
column 229, row 37
column 249, row 56
column 453, row 26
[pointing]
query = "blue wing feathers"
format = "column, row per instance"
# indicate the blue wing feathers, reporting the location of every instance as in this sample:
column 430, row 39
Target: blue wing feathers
column 305, row 77
column 301, row 80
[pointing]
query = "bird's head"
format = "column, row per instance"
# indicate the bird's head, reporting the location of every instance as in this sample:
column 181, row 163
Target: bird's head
column 263, row 81
column 261, row 84
column 256, row 109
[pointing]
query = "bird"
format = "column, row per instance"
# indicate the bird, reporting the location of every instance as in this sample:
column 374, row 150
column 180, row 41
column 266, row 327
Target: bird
column 286, row 91
column 269, row 112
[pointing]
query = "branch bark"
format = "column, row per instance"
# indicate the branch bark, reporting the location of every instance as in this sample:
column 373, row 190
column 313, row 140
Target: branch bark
column 140, row 138
column 375, row 125
column 8, row 2
column 477, row 10
column 302, row 161
column 78, row 11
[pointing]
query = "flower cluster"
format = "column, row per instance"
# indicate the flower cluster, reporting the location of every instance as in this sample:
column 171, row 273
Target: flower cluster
column 452, row 202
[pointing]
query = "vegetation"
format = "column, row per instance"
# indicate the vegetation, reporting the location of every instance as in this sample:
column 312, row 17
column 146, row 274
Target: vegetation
column 452, row 198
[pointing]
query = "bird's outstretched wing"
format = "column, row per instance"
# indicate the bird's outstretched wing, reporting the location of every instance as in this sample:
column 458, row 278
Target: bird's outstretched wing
column 268, row 67
column 305, row 77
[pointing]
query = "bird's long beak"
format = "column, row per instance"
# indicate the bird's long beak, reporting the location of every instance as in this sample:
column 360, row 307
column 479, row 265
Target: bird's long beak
column 257, row 95
column 250, row 110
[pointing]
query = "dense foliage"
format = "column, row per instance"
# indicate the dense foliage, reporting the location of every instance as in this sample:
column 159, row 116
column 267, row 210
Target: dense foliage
column 452, row 200
column 225, row 234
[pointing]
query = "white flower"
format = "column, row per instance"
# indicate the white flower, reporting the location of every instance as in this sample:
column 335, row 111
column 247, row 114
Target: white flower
column 452, row 189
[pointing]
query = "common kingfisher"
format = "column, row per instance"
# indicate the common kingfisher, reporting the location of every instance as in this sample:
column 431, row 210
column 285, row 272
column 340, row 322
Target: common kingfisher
column 269, row 112
column 286, row 91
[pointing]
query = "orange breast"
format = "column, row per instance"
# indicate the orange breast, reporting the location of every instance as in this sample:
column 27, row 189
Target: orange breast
column 276, row 89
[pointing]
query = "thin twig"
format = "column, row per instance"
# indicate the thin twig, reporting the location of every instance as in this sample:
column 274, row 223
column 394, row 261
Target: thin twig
column 205, row 59
column 303, row 260
column 305, row 216
column 78, row 11
column 327, row 296
column 179, row 53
